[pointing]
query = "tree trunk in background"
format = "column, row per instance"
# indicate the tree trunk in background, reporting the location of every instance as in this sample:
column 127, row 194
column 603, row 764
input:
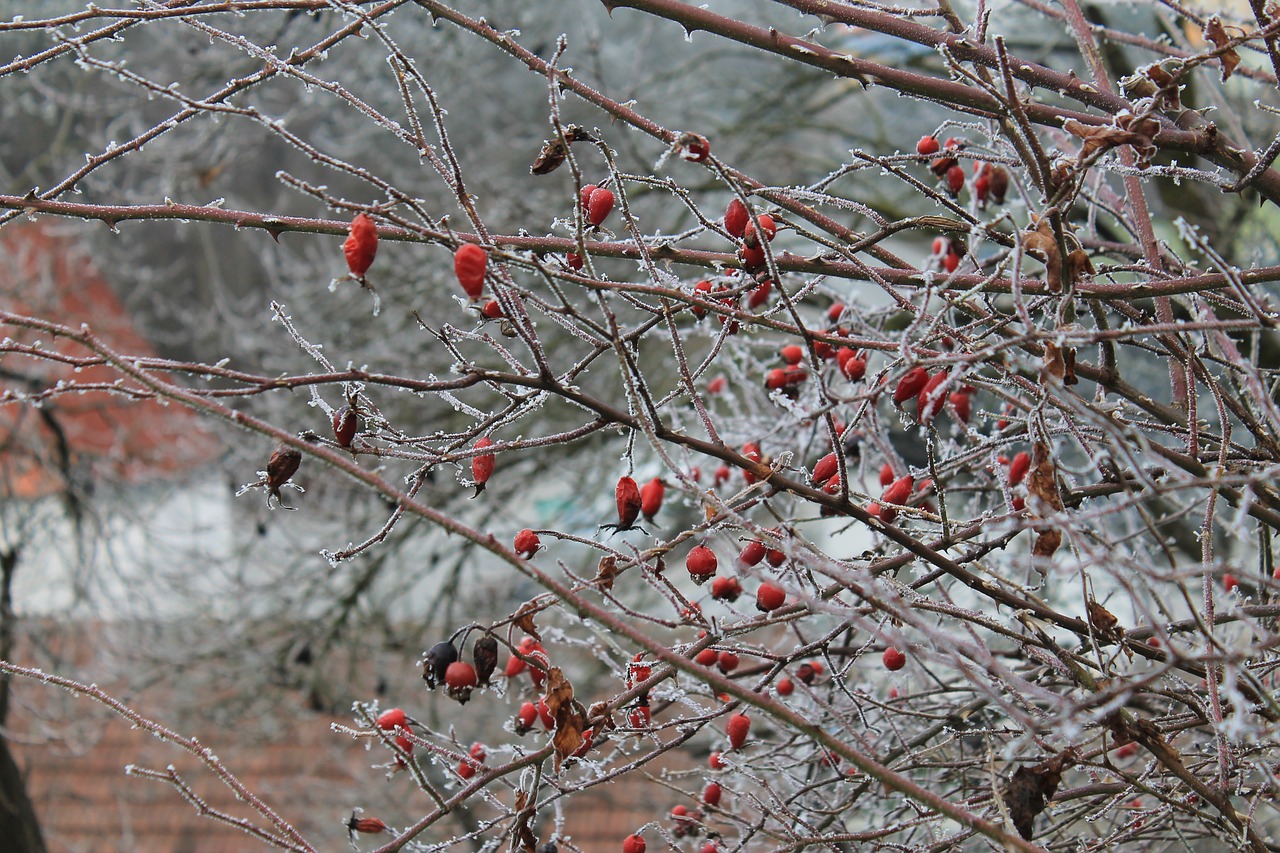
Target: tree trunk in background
column 18, row 824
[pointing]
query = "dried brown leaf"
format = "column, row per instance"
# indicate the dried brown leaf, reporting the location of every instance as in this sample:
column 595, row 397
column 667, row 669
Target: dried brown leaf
column 1042, row 483
column 1042, row 243
column 1031, row 788
column 606, row 572
column 1125, row 131
column 524, row 619
column 1216, row 34
column 1104, row 622
column 522, row 838
column 571, row 720
column 1047, row 543
column 1054, row 368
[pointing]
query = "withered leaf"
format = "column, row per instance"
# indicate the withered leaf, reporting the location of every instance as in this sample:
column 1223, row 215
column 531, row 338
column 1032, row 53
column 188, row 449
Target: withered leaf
column 524, row 619
column 1079, row 266
column 1031, row 788
column 1216, row 34
column 554, row 152
column 571, row 720
column 606, row 572
column 1125, row 131
column 1042, row 483
column 1047, row 543
column 600, row 711
column 1168, row 86
column 1104, row 622
column 1042, row 243
column 1053, row 369
column 522, row 838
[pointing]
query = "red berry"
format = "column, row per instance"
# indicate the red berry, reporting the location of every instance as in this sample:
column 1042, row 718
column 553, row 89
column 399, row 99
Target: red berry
column 751, row 450
column 835, row 312
column 515, row 666
column 651, row 497
column 715, row 386
column 715, row 762
column 640, row 717
column 1127, row 751
column 633, row 844
column 599, row 205
column 404, row 743
column 760, row 295
column 544, row 714
column 709, row 847
column 491, row 310
column 752, row 257
column 767, row 227
column 737, row 728
column 784, row 686
column 584, row 196
column 694, row 147
column 752, row 553
column 460, row 675
column 1019, row 467
column 928, row 145
column 727, row 661
column 526, row 543
column 955, row 179
column 391, row 718
column 792, row 354
column 776, row 557
column 1229, row 582
column 893, row 659
column 527, row 717
column 982, row 188
column 806, row 672
column 482, row 464
column 469, row 264
column 361, row 245
column 886, row 474
column 951, row 261
column 909, row 385
column 898, row 491
column 736, row 218
column 853, row 367
column 477, row 752
column 627, row 494
column 574, row 261
column 711, row 794
column 928, row 401
column 701, row 563
column 725, row 588
column 465, row 770
column 826, row 468
column 770, row 596
column 345, row 425
column 960, row 405
column 707, row 657
column 722, row 475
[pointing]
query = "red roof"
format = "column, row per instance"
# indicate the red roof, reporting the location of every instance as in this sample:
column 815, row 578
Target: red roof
column 101, row 433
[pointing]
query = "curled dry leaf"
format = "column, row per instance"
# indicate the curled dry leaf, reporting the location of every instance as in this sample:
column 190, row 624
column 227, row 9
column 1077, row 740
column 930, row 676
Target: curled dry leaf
column 522, row 838
column 1042, row 244
column 1042, row 486
column 524, row 619
column 1031, row 788
column 606, row 572
column 1216, row 34
column 571, row 720
column 1059, row 365
column 1125, row 130
column 1104, row 622
column 554, row 152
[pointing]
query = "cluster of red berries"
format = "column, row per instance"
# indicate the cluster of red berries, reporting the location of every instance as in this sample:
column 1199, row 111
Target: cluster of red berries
column 990, row 181
column 924, row 388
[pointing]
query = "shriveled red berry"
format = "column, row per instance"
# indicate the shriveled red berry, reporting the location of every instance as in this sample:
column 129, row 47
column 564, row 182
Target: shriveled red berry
column 633, row 844
column 651, row 497
column 784, row 686
column 469, row 265
column 725, row 588
column 526, row 543
column 737, row 728
column 482, row 464
column 694, row 147
column 909, row 385
column 361, row 245
column 893, row 659
column 627, row 495
column 712, row 793
column 392, row 718
column 1019, row 467
column 899, row 491
column 345, row 425
column 770, row 596
column 599, row 206
column 999, row 184
column 367, row 825
column 928, row 145
column 806, row 672
column 701, row 563
column 736, row 218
